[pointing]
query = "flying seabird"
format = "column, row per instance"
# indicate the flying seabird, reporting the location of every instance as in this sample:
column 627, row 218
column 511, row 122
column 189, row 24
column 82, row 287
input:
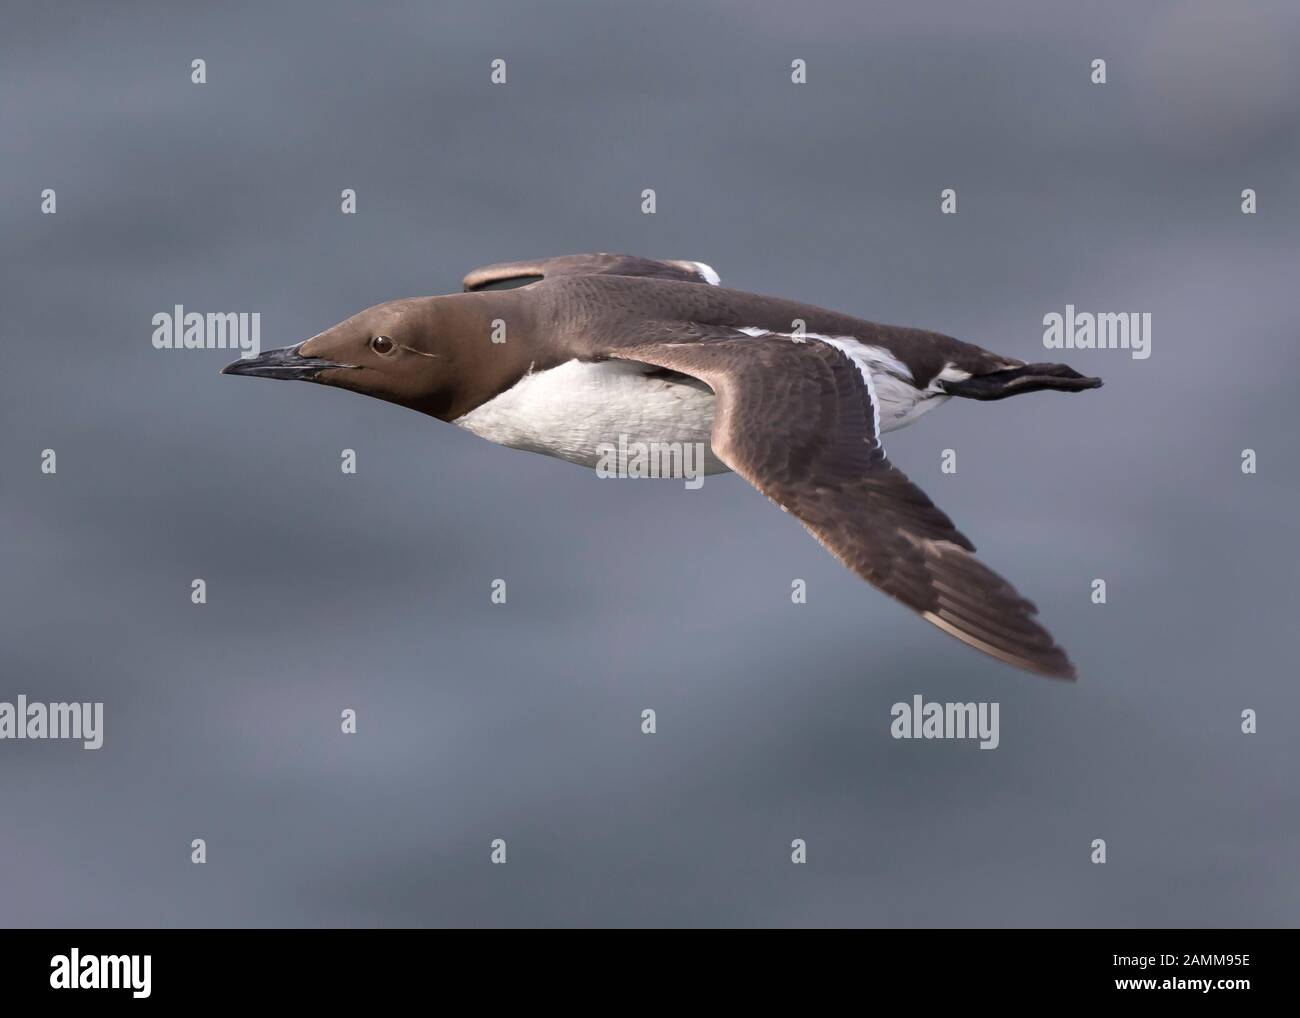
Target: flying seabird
column 562, row 356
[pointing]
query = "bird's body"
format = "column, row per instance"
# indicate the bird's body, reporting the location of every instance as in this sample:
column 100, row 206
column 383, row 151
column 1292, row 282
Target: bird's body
column 598, row 351
column 577, row 409
column 571, row 408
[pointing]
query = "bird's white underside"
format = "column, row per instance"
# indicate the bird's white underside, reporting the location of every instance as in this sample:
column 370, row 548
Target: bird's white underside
column 572, row 410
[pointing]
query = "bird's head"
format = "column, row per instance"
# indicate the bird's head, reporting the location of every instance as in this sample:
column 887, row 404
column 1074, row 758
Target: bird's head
column 420, row 353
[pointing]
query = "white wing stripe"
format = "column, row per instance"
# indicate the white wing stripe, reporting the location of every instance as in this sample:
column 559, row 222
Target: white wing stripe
column 864, row 356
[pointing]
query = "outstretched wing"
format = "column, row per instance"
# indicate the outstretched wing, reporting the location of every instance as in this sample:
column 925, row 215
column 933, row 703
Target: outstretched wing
column 798, row 421
column 507, row 274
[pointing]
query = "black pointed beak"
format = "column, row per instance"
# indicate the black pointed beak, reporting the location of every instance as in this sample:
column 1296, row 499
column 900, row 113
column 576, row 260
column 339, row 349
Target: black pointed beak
column 284, row 363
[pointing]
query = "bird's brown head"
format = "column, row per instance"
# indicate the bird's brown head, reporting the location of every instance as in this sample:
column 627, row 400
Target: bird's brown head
column 431, row 354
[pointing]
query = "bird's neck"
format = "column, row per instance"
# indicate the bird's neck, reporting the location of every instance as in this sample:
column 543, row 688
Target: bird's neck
column 495, row 345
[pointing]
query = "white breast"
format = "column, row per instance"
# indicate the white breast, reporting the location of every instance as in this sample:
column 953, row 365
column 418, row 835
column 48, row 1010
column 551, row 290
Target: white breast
column 572, row 410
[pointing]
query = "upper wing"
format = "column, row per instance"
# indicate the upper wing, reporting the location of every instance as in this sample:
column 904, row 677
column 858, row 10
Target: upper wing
column 797, row 421
column 505, row 274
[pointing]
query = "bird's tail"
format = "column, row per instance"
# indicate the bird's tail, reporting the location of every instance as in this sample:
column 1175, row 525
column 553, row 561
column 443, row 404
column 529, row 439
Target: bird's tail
column 1013, row 381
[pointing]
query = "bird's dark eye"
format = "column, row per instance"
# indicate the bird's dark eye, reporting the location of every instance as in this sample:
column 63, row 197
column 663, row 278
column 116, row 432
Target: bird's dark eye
column 382, row 345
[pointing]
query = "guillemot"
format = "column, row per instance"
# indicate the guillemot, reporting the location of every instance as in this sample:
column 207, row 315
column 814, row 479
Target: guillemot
column 562, row 356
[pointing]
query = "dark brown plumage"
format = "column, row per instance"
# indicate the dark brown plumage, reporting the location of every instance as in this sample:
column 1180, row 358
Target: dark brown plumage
column 827, row 468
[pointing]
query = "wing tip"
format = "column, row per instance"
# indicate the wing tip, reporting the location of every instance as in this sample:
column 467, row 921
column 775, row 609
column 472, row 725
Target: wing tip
column 1051, row 663
column 1063, row 671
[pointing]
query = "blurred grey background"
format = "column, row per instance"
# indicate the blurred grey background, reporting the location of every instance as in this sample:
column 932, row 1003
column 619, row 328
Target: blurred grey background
column 522, row 721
